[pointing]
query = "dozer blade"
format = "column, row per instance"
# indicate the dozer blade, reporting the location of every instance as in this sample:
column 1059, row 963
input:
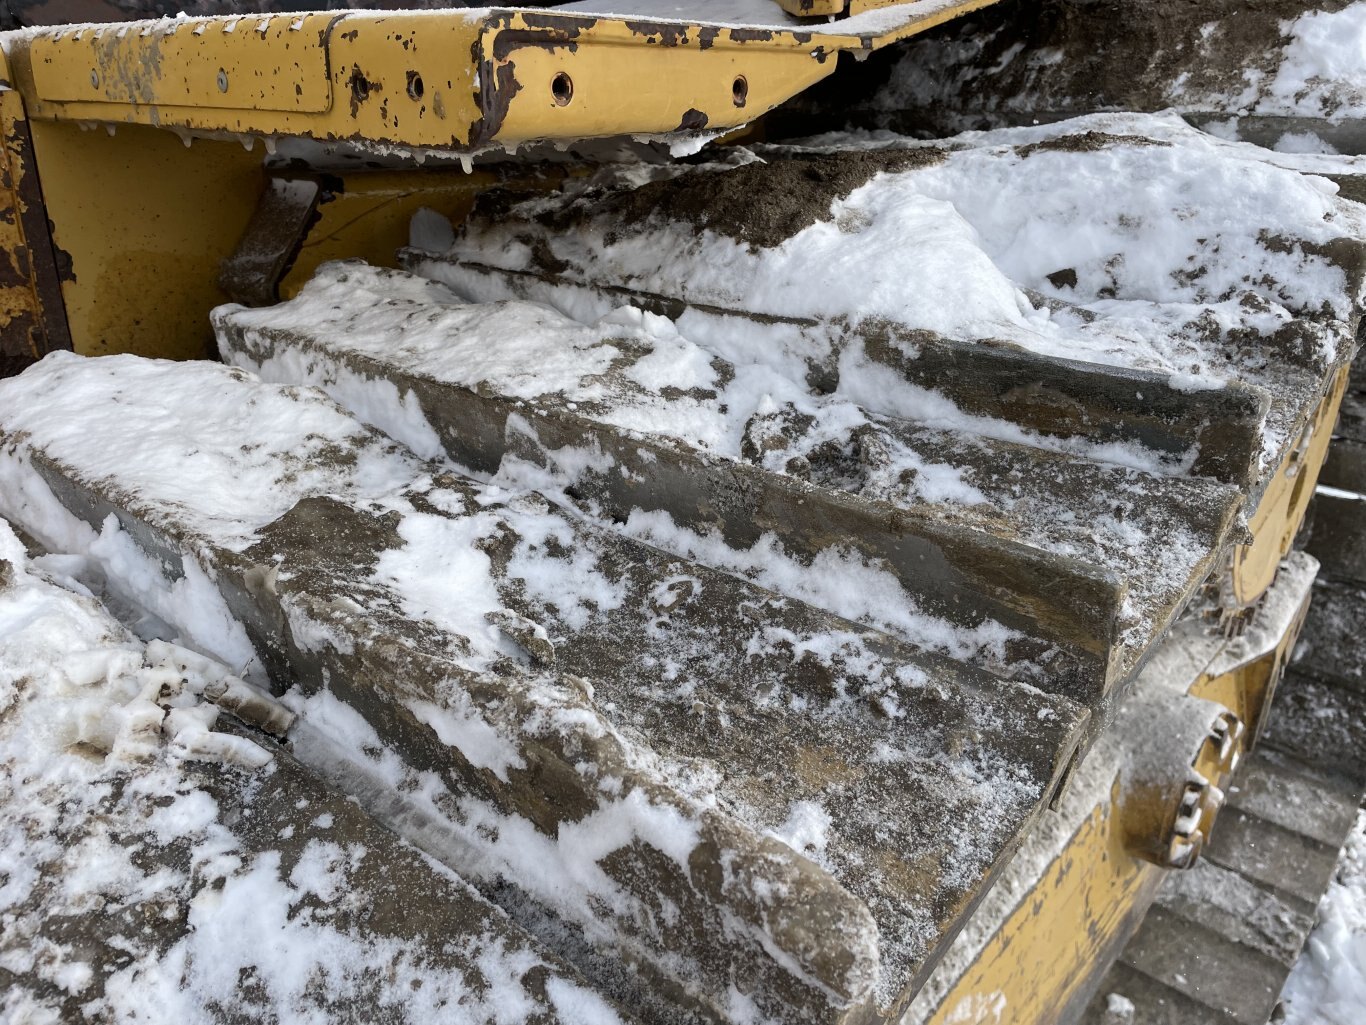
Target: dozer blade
column 702, row 792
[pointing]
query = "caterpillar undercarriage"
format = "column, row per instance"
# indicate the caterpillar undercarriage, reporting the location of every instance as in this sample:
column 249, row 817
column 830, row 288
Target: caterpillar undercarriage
column 747, row 575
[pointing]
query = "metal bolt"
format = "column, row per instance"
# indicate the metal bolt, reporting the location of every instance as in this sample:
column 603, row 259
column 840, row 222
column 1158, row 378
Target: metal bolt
column 222, row 81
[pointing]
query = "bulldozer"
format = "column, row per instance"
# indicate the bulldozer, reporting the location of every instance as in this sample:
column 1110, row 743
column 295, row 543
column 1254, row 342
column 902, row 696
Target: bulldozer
column 803, row 511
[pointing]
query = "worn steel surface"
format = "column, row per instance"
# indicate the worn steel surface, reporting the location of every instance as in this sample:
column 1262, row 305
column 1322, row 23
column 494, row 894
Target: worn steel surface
column 961, row 565
column 914, row 838
column 32, row 317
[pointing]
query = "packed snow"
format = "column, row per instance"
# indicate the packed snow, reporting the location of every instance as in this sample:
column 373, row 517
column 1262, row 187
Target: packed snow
column 236, row 490
column 1328, row 984
column 1132, row 256
column 1323, row 68
column 641, row 375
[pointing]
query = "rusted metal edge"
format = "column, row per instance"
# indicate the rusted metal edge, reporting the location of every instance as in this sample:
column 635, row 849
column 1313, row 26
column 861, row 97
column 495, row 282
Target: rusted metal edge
column 47, row 265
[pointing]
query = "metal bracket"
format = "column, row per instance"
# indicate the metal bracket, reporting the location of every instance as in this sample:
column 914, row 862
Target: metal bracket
column 252, row 274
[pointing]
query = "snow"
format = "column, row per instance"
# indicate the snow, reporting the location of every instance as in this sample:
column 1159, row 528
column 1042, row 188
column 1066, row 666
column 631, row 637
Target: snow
column 983, row 229
column 1158, row 235
column 1123, row 240
column 238, row 489
column 1328, row 984
column 1323, row 68
column 749, row 399
column 806, row 828
column 458, row 553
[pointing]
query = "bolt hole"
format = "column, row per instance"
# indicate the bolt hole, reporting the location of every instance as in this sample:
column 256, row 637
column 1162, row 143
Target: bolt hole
column 415, row 87
column 562, row 88
column 360, row 87
column 739, row 90
column 222, row 81
column 94, row 79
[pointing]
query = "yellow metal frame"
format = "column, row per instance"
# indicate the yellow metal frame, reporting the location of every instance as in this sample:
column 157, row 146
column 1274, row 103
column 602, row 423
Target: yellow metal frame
column 1280, row 513
column 146, row 222
column 451, row 79
column 1064, row 932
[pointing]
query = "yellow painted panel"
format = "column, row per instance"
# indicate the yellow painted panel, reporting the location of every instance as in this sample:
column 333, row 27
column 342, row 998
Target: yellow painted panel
column 146, row 222
column 407, row 79
column 260, row 63
column 404, row 78
column 611, row 82
column 453, row 79
column 1064, row 930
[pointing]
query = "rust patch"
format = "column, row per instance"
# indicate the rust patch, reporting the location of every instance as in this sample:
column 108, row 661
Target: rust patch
column 48, row 266
column 497, row 87
column 65, row 266
column 361, row 88
column 668, row 35
column 20, row 340
column 14, row 272
column 693, row 121
column 750, row 35
column 546, row 39
column 549, row 21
